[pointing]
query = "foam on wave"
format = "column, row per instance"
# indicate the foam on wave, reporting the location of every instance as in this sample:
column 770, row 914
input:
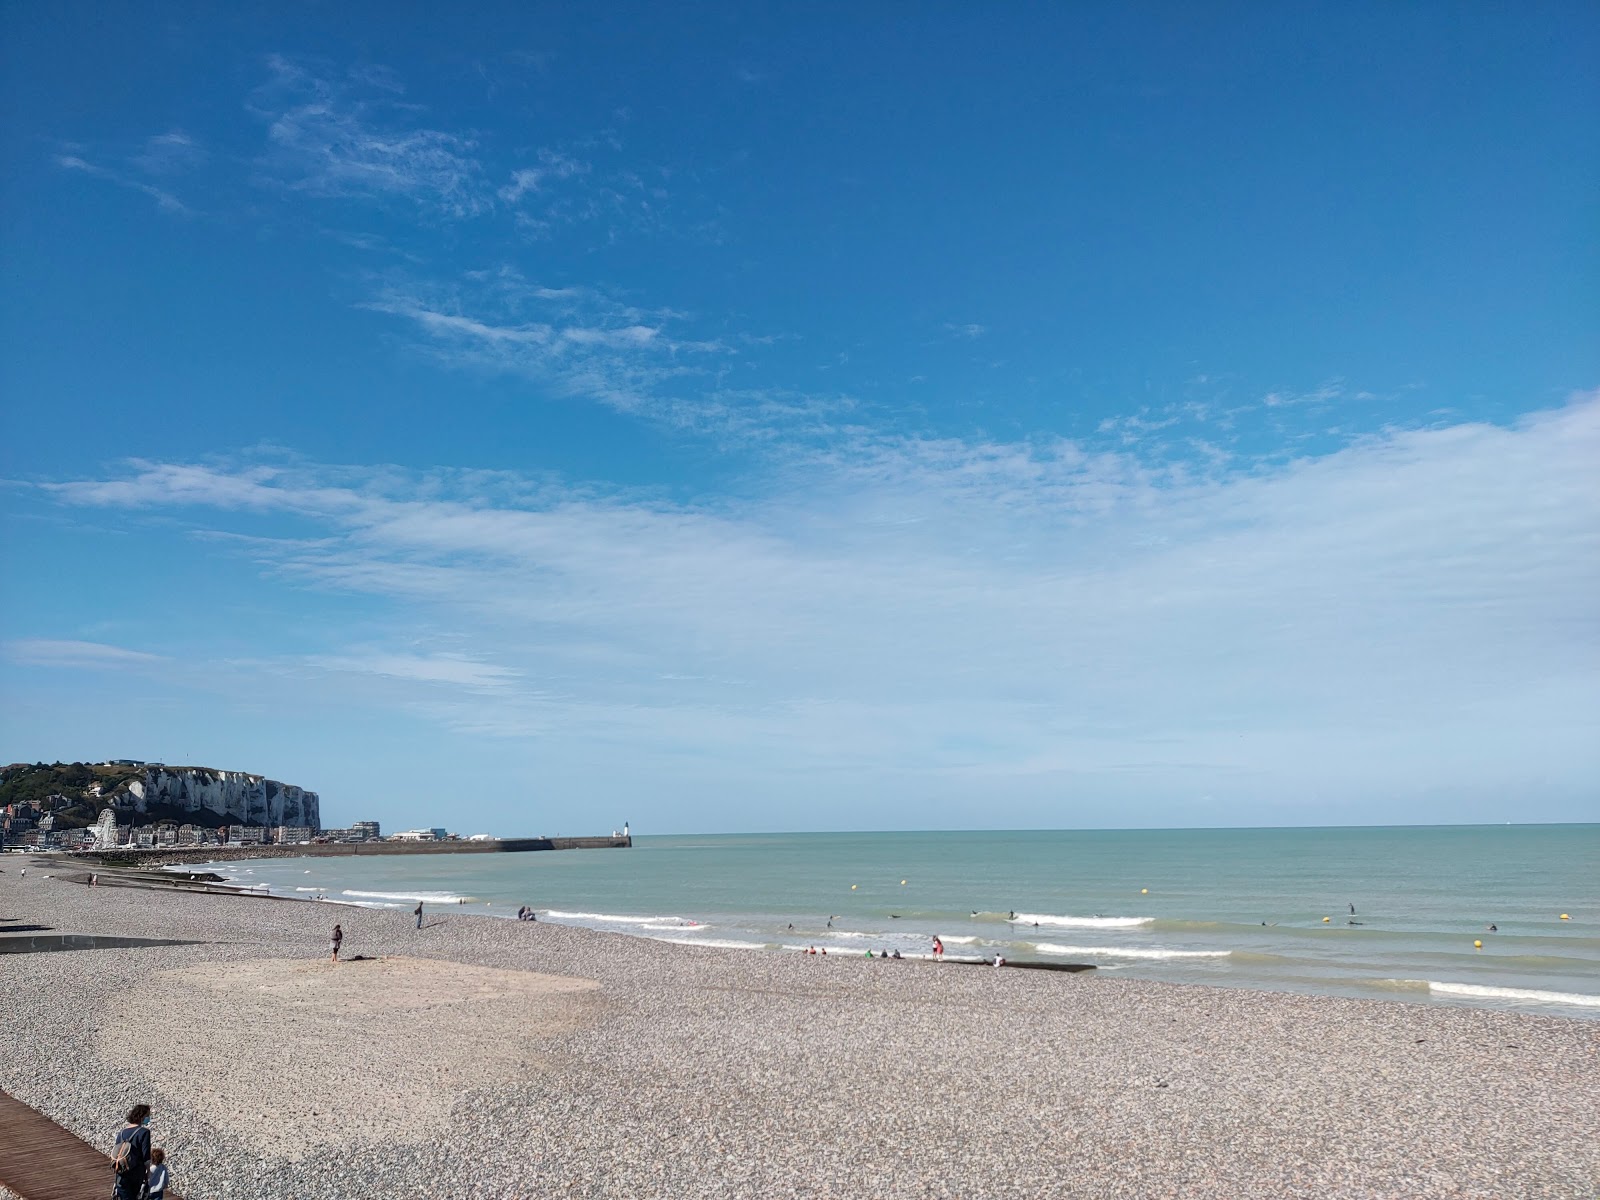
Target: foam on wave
column 666, row 920
column 719, row 943
column 1127, row 952
column 414, row 897
column 1524, row 995
column 1080, row 922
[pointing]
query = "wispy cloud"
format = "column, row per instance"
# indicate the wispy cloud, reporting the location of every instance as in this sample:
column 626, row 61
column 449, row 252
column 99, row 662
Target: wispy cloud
column 966, row 330
column 353, row 137
column 1332, row 390
column 163, row 198
column 1410, row 612
column 46, row 652
column 451, row 669
column 553, row 166
column 576, row 342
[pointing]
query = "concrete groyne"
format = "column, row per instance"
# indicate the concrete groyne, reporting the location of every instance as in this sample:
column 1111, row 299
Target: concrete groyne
column 171, row 855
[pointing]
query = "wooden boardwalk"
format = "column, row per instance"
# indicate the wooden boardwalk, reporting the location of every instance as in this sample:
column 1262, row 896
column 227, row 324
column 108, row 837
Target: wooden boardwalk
column 39, row 1160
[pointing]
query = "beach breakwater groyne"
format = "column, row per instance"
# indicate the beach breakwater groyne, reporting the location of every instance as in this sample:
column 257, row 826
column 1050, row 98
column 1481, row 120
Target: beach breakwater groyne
column 178, row 855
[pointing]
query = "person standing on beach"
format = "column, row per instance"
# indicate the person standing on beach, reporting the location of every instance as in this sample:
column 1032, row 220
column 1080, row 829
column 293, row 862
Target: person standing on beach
column 938, row 948
column 334, row 942
column 130, row 1154
column 419, row 914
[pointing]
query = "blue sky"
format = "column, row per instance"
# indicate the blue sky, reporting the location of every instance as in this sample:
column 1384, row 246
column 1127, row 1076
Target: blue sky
column 727, row 418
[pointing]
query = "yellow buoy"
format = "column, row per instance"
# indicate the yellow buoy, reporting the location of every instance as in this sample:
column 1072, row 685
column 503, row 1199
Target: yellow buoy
column 1325, row 920
column 852, row 887
column 1144, row 891
column 1477, row 945
column 1564, row 917
column 902, row 883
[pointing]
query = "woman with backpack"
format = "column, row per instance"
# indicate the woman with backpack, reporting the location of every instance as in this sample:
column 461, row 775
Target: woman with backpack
column 130, row 1155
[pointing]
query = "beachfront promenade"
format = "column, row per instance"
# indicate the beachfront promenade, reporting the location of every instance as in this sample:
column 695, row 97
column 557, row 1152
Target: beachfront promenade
column 39, row 1160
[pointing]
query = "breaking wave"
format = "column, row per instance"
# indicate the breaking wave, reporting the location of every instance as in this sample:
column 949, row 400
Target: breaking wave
column 1522, row 995
column 1080, row 922
column 1126, row 952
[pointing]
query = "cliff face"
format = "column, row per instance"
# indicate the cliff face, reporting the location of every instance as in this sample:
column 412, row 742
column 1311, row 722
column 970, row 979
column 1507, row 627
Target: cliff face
column 248, row 799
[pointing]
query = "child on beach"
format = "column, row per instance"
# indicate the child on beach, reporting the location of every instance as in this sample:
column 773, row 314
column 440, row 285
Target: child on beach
column 155, row 1187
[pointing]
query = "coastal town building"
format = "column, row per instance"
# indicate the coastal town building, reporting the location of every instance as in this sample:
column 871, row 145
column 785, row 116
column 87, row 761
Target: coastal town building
column 420, row 835
column 366, row 829
column 247, row 835
column 290, row 835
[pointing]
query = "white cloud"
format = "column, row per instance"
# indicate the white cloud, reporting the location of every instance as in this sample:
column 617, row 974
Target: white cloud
column 553, row 166
column 329, row 138
column 45, row 652
column 575, row 341
column 967, row 330
column 452, row 669
column 163, row 198
column 1412, row 611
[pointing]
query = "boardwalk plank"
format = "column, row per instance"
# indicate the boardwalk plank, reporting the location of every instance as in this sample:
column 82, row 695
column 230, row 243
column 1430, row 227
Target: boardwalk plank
column 39, row 1160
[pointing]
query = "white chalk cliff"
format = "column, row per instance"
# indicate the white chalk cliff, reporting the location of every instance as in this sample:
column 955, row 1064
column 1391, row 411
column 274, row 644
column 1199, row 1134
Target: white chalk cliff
column 249, row 799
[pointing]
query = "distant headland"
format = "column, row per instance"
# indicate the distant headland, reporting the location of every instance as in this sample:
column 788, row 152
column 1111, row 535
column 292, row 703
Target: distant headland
column 57, row 798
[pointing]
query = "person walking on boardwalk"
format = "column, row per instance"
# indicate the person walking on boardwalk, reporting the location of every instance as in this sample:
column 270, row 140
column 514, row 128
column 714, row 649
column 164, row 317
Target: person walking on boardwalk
column 334, row 942
column 418, row 913
column 130, row 1155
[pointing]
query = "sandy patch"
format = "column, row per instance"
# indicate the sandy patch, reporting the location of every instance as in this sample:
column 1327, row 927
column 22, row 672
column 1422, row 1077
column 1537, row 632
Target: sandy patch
column 289, row 1054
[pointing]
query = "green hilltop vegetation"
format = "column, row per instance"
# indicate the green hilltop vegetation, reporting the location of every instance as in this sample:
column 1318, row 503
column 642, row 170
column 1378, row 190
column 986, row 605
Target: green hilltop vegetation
column 76, row 807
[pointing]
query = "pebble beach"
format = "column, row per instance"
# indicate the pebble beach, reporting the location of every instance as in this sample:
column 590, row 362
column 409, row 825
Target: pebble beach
column 479, row 1057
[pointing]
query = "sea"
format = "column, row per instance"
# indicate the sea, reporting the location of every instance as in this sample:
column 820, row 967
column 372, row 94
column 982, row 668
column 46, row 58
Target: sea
column 1501, row 916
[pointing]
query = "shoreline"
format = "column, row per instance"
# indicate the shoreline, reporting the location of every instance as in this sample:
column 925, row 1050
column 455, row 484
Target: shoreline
column 1410, row 983
column 691, row 1071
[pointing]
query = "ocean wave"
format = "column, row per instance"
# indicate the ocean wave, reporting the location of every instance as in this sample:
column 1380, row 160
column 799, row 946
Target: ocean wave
column 1524, row 995
column 716, row 943
column 1080, row 922
column 1402, row 985
column 663, row 925
column 423, row 897
column 620, row 920
column 1125, row 952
